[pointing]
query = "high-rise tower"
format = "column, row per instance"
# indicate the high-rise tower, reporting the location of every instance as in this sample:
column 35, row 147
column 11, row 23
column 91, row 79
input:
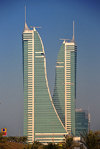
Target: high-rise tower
column 82, row 121
column 65, row 84
column 41, row 120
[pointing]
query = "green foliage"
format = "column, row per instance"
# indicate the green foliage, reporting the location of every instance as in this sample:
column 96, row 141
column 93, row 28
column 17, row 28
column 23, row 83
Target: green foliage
column 68, row 142
column 51, row 146
column 17, row 139
column 91, row 140
column 2, row 139
column 37, row 145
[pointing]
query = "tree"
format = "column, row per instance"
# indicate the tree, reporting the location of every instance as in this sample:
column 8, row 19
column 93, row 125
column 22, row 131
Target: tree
column 91, row 140
column 51, row 146
column 37, row 145
column 2, row 139
column 68, row 142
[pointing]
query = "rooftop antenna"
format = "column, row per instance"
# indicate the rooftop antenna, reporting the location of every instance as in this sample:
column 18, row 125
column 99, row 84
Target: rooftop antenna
column 73, row 32
column 25, row 27
column 25, row 13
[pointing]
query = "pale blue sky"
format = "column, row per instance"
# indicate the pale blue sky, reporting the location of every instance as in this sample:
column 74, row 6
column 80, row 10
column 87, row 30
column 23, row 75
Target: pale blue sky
column 55, row 17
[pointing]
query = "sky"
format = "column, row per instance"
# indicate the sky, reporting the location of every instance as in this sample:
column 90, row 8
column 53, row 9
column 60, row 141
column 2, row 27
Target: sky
column 55, row 18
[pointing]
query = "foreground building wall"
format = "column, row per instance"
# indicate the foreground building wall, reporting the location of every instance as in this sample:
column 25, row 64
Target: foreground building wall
column 65, row 85
column 41, row 120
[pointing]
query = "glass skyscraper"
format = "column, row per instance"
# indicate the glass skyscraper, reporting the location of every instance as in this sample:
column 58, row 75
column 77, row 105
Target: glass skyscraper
column 41, row 120
column 82, row 122
column 65, row 84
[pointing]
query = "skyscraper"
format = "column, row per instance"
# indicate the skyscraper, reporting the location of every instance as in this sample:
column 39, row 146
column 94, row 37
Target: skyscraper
column 82, row 121
column 65, row 84
column 41, row 120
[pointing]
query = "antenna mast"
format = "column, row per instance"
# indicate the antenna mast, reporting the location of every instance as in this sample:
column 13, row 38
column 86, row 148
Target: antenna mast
column 73, row 32
column 25, row 13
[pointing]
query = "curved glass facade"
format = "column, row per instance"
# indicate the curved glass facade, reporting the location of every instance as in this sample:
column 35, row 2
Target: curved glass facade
column 41, row 120
column 59, row 89
column 65, row 85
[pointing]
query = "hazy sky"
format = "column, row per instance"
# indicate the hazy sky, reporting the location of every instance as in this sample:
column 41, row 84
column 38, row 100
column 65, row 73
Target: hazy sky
column 55, row 17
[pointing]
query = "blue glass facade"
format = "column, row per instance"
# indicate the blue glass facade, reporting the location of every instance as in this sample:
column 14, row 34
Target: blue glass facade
column 81, row 122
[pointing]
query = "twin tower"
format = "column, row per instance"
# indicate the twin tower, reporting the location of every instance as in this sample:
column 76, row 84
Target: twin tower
column 46, row 118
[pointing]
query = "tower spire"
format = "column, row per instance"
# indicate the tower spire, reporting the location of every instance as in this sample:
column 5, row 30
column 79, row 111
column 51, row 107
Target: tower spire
column 73, row 38
column 25, row 27
column 25, row 13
